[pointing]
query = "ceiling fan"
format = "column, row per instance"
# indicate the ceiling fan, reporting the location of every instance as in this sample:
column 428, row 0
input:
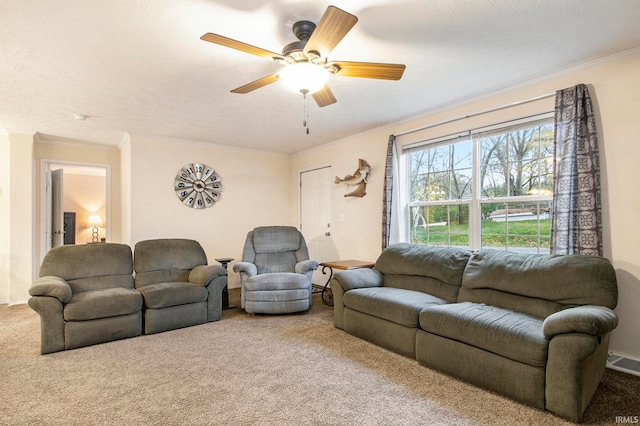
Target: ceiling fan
column 306, row 67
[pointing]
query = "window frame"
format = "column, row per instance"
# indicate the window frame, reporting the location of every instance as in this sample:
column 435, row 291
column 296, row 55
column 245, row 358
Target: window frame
column 476, row 201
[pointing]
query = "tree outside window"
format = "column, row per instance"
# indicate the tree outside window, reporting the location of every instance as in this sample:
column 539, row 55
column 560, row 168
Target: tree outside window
column 511, row 205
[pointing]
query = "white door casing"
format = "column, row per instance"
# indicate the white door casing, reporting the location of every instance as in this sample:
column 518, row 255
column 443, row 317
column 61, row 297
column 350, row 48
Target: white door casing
column 56, row 209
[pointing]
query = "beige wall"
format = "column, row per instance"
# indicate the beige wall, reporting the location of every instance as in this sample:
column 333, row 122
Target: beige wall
column 615, row 89
column 5, row 217
column 358, row 235
column 125, row 185
column 17, row 244
column 255, row 192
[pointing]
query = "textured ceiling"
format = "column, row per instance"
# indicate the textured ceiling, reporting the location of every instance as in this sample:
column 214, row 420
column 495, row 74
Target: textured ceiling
column 140, row 67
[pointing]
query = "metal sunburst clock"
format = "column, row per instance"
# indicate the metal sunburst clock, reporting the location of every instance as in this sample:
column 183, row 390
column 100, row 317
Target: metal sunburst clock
column 198, row 185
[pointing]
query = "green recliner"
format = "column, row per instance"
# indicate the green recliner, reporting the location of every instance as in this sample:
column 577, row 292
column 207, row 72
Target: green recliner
column 275, row 271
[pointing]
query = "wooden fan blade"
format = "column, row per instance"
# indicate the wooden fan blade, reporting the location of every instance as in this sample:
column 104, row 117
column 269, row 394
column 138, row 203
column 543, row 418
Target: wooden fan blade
column 368, row 70
column 324, row 97
column 238, row 45
column 256, row 84
column 333, row 26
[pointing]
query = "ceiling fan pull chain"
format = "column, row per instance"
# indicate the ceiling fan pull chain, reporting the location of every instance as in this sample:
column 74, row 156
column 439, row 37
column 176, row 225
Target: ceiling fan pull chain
column 305, row 118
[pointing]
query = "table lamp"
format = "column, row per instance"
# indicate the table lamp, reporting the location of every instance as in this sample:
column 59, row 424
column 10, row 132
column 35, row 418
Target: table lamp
column 94, row 222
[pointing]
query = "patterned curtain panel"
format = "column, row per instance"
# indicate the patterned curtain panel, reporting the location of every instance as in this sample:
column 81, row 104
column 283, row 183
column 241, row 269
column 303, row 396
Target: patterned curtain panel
column 387, row 196
column 577, row 217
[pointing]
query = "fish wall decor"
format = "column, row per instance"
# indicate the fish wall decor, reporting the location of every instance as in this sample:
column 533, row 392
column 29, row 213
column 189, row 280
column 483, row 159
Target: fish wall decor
column 359, row 178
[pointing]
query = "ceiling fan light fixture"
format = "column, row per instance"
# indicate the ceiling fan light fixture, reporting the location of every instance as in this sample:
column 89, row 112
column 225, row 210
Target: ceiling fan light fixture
column 304, row 77
column 306, row 68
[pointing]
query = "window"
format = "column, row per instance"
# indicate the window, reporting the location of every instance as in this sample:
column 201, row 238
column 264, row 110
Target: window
column 484, row 189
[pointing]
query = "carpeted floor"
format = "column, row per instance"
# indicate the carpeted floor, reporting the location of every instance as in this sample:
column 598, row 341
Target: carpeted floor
column 246, row 370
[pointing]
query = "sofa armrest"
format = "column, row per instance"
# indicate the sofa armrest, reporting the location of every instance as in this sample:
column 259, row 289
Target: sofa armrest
column 592, row 320
column 53, row 287
column 305, row 266
column 248, row 268
column 575, row 365
column 51, row 322
column 345, row 280
column 214, row 299
column 358, row 278
column 202, row 275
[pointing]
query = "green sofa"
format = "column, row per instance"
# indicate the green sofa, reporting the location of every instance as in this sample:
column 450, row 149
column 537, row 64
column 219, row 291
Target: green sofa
column 87, row 294
column 534, row 328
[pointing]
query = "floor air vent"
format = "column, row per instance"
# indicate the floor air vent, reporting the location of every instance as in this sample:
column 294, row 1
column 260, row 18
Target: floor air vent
column 620, row 363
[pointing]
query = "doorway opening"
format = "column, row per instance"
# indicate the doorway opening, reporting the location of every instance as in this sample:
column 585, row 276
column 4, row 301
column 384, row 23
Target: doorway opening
column 74, row 204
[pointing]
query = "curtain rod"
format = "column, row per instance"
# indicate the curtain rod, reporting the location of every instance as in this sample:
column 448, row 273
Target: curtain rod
column 467, row 132
column 463, row 117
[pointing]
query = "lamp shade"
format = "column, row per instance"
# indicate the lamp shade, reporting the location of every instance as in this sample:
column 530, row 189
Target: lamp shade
column 304, row 77
column 94, row 220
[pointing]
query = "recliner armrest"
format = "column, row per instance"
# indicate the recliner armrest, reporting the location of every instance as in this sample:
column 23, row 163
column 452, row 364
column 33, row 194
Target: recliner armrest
column 358, row 278
column 53, row 287
column 202, row 275
column 305, row 266
column 248, row 268
column 592, row 320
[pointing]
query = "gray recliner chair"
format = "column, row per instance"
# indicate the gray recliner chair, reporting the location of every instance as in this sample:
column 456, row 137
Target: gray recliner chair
column 178, row 287
column 85, row 296
column 275, row 271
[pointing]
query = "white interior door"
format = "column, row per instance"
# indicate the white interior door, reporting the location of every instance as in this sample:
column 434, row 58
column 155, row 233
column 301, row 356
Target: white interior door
column 57, row 213
column 315, row 216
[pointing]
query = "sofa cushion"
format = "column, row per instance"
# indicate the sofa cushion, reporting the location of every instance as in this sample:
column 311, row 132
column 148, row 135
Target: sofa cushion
column 110, row 302
column 90, row 266
column 392, row 304
column 276, row 239
column 162, row 276
column 433, row 270
column 510, row 334
column 268, row 263
column 276, row 248
column 165, row 260
column 277, row 281
column 163, row 295
column 168, row 253
column 281, row 297
column 538, row 284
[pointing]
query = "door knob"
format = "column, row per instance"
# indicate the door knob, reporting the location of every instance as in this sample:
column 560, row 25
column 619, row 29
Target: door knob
column 328, row 234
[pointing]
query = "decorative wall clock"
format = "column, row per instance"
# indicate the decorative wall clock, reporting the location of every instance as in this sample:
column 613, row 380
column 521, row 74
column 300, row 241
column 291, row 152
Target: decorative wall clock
column 198, row 185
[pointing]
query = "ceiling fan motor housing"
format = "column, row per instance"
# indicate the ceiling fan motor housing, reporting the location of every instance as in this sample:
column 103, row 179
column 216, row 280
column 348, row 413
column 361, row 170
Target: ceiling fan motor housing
column 302, row 30
column 295, row 50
